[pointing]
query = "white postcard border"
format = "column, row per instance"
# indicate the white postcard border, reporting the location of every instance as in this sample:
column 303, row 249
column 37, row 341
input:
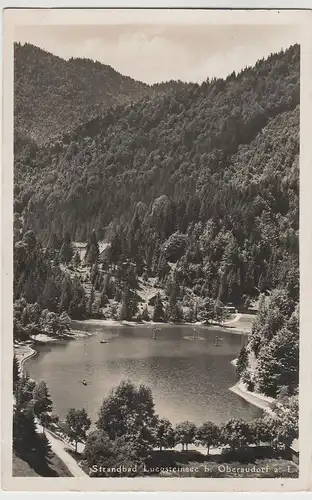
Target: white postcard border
column 11, row 18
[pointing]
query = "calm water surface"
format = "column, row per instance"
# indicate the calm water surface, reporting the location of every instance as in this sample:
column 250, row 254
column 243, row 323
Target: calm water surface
column 190, row 379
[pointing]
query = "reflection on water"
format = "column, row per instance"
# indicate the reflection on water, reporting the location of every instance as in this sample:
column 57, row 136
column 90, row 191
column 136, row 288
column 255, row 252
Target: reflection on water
column 189, row 378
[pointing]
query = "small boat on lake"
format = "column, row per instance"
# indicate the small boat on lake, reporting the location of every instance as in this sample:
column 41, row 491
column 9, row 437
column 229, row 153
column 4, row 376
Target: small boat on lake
column 103, row 341
column 84, row 382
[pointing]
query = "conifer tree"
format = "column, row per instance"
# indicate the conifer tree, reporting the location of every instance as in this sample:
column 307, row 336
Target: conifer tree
column 103, row 299
column 116, row 250
column 66, row 294
column 90, row 302
column 54, row 243
column 42, row 401
column 173, row 310
column 107, row 289
column 158, row 314
column 145, row 314
column 76, row 260
column 77, row 306
column 242, row 362
column 125, row 312
column 118, row 294
column 24, row 430
column 92, row 251
column 94, row 273
column 67, row 251
column 50, row 295
column 16, row 373
column 56, row 260
column 162, row 268
column 24, row 392
column 30, row 290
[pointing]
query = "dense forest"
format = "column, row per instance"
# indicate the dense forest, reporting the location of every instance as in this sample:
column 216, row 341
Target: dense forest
column 67, row 93
column 195, row 188
column 212, row 170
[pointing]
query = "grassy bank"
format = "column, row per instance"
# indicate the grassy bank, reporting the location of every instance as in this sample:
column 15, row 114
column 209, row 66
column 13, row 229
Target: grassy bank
column 260, row 400
column 54, row 467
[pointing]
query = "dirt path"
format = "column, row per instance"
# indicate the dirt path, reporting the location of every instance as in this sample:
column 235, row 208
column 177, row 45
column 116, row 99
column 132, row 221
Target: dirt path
column 234, row 320
column 242, row 323
column 254, row 398
column 58, row 447
column 24, row 352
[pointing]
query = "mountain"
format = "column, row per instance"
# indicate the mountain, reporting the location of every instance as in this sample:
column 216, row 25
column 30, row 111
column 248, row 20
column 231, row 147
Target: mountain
column 214, row 167
column 52, row 95
column 195, row 190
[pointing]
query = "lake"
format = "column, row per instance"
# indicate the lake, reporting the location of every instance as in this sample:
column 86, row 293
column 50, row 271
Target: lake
column 190, row 379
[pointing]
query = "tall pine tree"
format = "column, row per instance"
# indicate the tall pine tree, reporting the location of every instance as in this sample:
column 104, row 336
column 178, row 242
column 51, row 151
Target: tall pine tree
column 67, row 251
column 92, row 251
column 158, row 314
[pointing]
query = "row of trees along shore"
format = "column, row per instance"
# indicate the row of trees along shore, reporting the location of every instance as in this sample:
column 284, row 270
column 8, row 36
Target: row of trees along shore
column 128, row 430
column 32, row 403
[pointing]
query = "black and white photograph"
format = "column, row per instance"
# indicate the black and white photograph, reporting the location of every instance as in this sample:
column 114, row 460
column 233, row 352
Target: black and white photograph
column 155, row 324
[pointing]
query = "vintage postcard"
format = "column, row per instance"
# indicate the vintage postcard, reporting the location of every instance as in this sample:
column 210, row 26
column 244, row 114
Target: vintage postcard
column 156, row 172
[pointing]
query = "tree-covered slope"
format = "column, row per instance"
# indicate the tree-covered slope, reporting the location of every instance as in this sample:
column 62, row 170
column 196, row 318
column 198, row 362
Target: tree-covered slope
column 52, row 95
column 209, row 171
column 269, row 362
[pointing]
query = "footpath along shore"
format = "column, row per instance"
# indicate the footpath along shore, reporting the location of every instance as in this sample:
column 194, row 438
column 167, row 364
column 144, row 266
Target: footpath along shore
column 255, row 398
column 58, row 446
column 24, row 352
column 244, row 322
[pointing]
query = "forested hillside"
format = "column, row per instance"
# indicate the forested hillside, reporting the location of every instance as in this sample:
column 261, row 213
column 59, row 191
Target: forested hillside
column 206, row 177
column 52, row 95
column 194, row 190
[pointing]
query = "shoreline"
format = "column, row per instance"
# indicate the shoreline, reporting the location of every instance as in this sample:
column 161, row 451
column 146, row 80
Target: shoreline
column 24, row 351
column 238, row 327
column 29, row 352
column 255, row 398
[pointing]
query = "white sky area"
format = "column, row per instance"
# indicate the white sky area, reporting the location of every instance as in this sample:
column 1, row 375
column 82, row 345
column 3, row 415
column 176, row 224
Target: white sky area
column 154, row 53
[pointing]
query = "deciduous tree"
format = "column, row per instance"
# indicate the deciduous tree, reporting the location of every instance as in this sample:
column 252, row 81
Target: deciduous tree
column 79, row 423
column 165, row 436
column 42, row 401
column 129, row 411
column 185, row 433
column 235, row 433
column 208, row 435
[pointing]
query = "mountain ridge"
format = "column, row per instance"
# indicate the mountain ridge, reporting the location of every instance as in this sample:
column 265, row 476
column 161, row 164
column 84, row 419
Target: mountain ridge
column 67, row 92
column 217, row 159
